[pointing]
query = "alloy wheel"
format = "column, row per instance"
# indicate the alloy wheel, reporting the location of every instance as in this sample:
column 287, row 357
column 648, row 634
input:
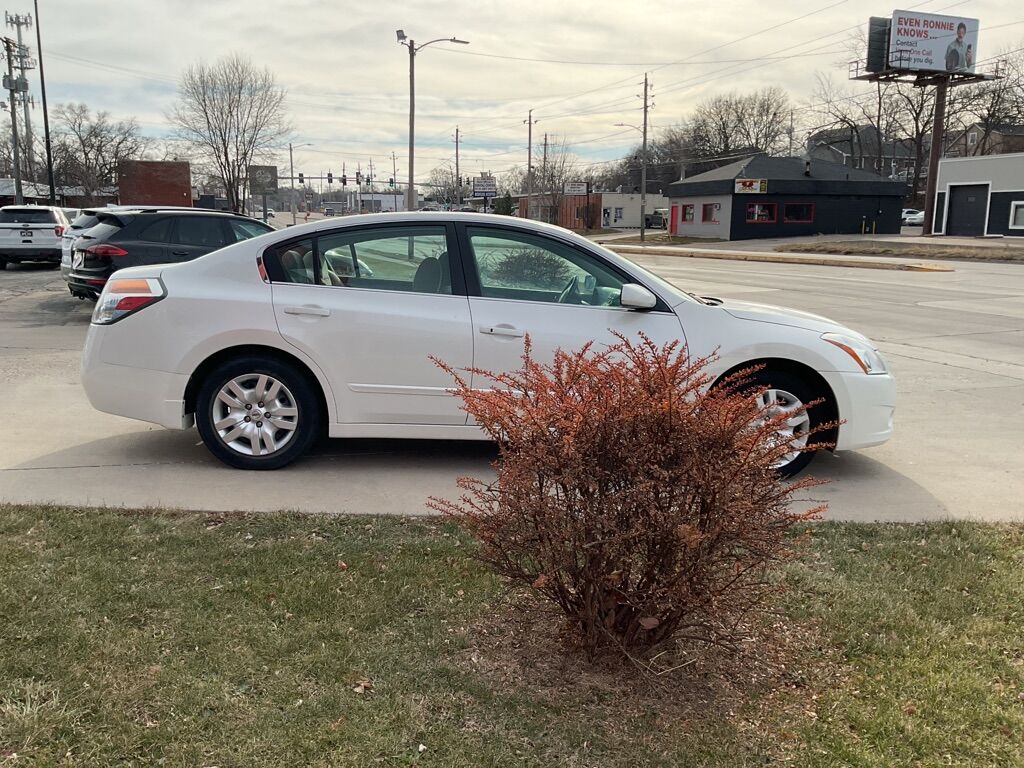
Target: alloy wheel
column 255, row 415
column 795, row 430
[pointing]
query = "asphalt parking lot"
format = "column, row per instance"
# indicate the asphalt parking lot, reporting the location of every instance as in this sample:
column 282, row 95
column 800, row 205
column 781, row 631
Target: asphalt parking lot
column 954, row 340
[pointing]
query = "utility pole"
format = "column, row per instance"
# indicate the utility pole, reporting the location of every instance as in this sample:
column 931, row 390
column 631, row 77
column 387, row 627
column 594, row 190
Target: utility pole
column 12, row 89
column 291, row 162
column 529, row 164
column 643, row 168
column 394, row 179
column 46, row 117
column 791, row 133
column 458, row 179
column 24, row 63
column 545, row 186
column 938, row 127
column 369, row 184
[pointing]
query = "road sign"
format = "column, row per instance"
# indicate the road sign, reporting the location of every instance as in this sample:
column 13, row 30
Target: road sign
column 262, row 179
column 576, row 188
column 485, row 186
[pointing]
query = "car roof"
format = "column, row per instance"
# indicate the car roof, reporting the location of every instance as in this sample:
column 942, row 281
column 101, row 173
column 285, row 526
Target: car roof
column 32, row 207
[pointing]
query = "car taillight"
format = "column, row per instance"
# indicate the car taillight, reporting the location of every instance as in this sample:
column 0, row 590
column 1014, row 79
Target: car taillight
column 105, row 249
column 126, row 295
column 58, row 230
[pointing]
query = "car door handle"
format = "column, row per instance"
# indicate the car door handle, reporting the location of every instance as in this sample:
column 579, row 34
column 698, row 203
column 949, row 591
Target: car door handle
column 502, row 330
column 179, row 253
column 314, row 311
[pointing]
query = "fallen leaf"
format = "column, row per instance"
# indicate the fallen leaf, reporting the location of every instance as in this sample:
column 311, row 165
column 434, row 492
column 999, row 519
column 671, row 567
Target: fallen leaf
column 342, row 565
column 649, row 622
column 540, row 581
column 363, row 686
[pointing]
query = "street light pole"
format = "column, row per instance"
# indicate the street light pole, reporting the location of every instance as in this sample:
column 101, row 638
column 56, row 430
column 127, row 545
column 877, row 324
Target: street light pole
column 410, row 198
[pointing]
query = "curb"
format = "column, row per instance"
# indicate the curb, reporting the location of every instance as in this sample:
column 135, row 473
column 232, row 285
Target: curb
column 782, row 258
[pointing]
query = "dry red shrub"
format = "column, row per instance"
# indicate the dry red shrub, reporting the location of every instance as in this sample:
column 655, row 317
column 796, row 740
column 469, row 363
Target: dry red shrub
column 639, row 502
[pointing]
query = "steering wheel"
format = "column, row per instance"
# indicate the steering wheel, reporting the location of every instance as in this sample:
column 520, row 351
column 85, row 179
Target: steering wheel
column 571, row 293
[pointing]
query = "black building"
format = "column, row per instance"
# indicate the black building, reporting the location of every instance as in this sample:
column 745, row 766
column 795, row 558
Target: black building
column 766, row 196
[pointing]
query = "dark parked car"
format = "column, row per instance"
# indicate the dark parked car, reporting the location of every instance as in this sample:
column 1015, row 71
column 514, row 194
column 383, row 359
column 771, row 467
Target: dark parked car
column 135, row 237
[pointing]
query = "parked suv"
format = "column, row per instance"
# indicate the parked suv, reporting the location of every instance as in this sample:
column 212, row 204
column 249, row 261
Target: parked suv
column 130, row 237
column 30, row 233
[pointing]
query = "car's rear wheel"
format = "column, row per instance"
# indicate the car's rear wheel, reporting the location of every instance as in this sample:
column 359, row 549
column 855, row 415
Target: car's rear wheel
column 255, row 413
column 787, row 394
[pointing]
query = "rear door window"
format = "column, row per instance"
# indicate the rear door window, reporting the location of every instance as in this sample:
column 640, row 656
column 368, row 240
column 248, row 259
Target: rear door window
column 158, row 231
column 200, row 231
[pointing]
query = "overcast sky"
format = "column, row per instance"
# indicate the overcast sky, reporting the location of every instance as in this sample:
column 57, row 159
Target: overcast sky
column 347, row 78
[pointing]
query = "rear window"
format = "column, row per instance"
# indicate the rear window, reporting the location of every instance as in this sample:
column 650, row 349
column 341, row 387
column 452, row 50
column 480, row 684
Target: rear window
column 104, row 230
column 27, row 216
column 84, row 221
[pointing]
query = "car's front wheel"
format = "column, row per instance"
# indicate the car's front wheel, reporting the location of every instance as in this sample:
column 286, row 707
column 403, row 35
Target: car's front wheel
column 255, row 413
column 787, row 394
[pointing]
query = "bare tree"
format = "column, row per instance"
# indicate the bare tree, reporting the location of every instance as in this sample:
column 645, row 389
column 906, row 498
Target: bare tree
column 88, row 147
column 991, row 104
column 443, row 184
column 551, row 172
column 232, row 114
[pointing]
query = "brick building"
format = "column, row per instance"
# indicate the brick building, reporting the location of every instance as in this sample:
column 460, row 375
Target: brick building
column 153, row 182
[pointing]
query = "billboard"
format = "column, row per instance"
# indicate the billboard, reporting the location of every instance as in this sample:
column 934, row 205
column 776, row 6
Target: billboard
column 262, row 179
column 926, row 42
column 750, row 186
column 576, row 188
column 485, row 186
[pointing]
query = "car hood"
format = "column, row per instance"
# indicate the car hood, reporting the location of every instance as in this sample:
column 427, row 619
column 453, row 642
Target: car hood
column 767, row 313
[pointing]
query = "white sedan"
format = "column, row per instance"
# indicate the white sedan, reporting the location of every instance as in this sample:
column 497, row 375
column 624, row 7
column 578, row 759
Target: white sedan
column 330, row 327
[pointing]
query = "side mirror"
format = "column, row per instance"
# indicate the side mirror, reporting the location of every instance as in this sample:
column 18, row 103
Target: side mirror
column 637, row 297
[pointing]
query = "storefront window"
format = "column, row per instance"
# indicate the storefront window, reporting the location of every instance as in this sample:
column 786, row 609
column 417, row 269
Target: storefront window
column 761, row 213
column 798, row 213
column 1017, row 214
column 686, row 213
column 709, row 213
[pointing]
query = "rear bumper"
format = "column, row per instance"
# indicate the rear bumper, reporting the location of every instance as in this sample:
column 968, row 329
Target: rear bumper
column 87, row 285
column 49, row 255
column 867, row 405
column 135, row 393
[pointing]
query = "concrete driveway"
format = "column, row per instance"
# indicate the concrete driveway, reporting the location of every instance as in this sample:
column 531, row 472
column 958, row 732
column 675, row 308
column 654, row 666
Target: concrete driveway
column 955, row 341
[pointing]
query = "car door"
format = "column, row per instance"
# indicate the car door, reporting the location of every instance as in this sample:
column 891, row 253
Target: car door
column 372, row 306
column 195, row 236
column 561, row 295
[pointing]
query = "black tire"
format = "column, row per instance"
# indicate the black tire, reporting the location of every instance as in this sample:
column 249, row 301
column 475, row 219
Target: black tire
column 309, row 419
column 806, row 392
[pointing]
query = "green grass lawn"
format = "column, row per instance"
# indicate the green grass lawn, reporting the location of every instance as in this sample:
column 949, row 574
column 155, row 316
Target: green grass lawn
column 278, row 640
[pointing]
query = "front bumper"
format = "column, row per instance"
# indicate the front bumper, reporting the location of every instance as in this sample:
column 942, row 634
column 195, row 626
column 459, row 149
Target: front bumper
column 135, row 393
column 867, row 405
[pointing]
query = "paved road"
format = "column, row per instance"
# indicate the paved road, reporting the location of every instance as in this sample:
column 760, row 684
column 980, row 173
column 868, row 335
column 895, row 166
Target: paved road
column 955, row 341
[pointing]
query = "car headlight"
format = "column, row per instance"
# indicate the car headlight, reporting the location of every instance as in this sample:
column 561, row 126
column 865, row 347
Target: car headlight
column 867, row 357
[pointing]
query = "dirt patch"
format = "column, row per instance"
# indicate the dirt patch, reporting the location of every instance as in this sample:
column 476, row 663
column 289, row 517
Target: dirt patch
column 915, row 250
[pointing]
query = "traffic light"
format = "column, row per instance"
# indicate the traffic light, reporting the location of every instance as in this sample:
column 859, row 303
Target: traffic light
column 330, row 177
column 300, row 178
column 344, row 180
column 391, row 181
column 359, row 179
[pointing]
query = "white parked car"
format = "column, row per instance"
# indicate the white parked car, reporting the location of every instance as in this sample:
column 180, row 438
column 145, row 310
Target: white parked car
column 913, row 217
column 31, row 233
column 266, row 344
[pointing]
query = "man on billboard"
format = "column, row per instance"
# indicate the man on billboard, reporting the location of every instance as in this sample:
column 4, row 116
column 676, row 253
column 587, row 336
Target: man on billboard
column 959, row 55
